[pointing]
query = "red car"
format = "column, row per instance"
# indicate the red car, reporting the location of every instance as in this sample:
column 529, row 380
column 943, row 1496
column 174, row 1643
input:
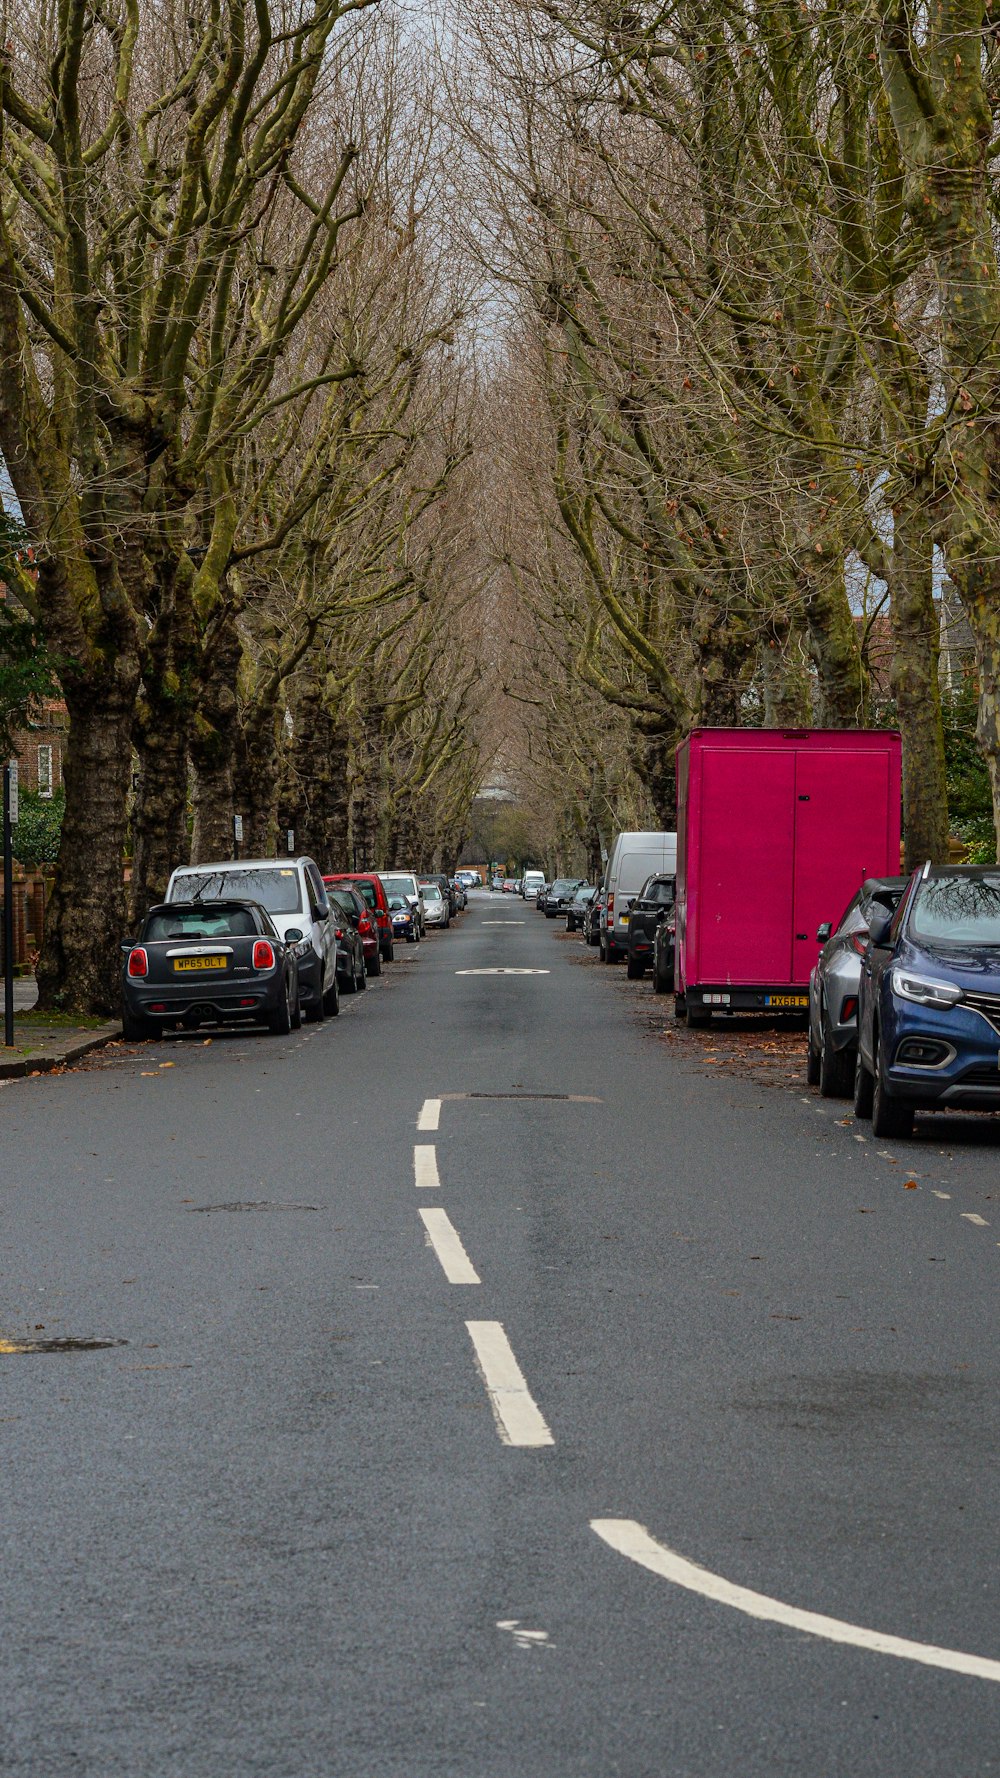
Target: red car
column 378, row 942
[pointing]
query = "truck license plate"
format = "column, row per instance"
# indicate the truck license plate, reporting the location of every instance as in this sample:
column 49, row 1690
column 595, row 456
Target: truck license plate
column 800, row 1001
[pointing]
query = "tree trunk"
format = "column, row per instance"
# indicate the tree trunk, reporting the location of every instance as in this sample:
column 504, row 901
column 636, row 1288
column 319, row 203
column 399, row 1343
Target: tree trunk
column 655, row 765
column 835, row 651
column 85, row 922
column 164, row 716
column 213, row 743
column 917, row 690
column 785, row 672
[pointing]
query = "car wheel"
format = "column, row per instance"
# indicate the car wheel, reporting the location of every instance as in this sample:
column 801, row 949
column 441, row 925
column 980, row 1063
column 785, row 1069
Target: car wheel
column 836, row 1067
column 812, row 1062
column 374, row 964
column 361, row 978
column 137, row 1029
column 662, row 983
column 864, row 1087
column 297, row 1012
column 279, row 1021
column 635, row 970
column 890, row 1116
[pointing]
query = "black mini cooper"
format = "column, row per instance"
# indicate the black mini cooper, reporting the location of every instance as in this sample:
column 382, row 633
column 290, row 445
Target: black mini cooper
column 209, row 962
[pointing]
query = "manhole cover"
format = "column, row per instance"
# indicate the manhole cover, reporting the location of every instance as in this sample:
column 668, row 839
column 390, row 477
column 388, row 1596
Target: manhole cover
column 65, row 1345
column 262, row 1204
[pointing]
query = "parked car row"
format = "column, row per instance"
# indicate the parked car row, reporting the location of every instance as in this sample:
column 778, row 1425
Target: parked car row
column 271, row 941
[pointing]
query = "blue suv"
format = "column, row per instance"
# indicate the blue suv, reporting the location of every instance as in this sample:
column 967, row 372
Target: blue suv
column 929, row 1008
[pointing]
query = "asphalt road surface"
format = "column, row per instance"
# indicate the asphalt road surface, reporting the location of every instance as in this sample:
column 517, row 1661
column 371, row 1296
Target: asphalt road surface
column 500, row 1395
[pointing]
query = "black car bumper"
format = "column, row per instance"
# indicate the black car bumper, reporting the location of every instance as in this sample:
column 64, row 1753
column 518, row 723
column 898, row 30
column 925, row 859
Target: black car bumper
column 206, row 1002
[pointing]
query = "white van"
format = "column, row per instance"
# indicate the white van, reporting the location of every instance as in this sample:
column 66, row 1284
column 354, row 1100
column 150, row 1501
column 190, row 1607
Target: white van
column 634, row 857
column 531, row 882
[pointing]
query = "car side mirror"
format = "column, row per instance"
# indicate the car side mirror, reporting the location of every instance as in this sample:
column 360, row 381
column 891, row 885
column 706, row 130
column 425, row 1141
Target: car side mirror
column 294, row 935
column 823, row 932
column 878, row 928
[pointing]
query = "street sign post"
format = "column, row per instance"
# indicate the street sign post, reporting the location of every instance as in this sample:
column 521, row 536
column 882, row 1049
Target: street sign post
column 10, row 814
column 237, row 834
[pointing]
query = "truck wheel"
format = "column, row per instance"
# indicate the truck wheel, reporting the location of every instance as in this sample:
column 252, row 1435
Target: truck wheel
column 864, row 1088
column 697, row 1018
column 635, row 970
column 836, row 1067
column 890, row 1116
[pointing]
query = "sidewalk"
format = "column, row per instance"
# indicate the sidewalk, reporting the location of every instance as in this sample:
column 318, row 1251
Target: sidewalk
column 52, row 1040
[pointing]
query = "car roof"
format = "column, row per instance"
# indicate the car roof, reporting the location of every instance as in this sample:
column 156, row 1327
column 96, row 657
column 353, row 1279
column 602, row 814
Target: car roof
column 206, row 869
column 938, row 871
column 872, row 884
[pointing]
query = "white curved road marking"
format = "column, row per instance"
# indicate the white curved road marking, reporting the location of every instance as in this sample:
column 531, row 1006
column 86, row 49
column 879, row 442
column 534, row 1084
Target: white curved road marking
column 518, row 1419
column 444, row 1238
column 502, row 972
column 634, row 1541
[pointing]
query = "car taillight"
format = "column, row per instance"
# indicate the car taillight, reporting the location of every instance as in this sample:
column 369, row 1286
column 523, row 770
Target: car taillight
column 138, row 962
column 364, row 926
column 849, row 1009
column 610, row 906
column 338, row 932
column 860, row 942
column 263, row 955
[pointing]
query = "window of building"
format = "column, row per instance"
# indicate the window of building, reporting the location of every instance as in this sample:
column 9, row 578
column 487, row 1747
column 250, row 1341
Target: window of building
column 45, row 770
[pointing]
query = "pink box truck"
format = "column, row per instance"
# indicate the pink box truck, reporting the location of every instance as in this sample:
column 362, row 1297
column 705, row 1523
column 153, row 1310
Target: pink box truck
column 776, row 829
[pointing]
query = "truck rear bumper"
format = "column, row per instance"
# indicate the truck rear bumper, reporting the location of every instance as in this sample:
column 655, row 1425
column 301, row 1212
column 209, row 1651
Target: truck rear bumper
column 765, row 998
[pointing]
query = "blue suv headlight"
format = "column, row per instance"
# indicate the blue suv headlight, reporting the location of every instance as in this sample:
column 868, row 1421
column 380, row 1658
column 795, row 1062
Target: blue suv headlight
column 923, row 989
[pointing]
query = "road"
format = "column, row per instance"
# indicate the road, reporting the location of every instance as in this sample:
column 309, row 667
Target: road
column 326, row 1511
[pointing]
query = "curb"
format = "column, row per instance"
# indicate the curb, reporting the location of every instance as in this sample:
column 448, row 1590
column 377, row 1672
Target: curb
column 46, row 1060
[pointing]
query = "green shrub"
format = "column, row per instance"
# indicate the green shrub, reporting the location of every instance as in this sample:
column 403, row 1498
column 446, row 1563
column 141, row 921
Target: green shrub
column 37, row 829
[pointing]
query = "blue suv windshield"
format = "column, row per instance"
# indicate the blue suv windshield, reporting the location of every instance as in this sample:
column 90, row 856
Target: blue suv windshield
column 958, row 910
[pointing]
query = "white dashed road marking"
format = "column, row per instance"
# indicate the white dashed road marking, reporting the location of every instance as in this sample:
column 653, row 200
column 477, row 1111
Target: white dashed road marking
column 425, row 1167
column 519, row 1421
column 970, row 1216
column 524, row 1638
column 430, row 1115
column 634, row 1541
column 501, row 922
column 443, row 1237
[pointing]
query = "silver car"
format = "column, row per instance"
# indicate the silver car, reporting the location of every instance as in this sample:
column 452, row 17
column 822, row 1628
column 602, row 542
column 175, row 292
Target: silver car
column 436, row 909
column 834, row 986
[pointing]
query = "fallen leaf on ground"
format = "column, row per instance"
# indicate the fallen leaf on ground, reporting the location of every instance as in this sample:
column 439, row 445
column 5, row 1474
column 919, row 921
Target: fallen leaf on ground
column 910, row 1186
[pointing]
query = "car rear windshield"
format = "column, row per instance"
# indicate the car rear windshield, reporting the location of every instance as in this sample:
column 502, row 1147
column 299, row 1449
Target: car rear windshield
column 276, row 888
column 561, row 885
column 398, row 885
column 958, row 910
column 661, row 893
column 203, row 922
column 344, row 899
column 431, row 892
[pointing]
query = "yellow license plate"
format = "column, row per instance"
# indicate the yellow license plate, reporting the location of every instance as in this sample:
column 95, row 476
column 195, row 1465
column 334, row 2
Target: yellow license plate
column 796, row 1000
column 186, row 963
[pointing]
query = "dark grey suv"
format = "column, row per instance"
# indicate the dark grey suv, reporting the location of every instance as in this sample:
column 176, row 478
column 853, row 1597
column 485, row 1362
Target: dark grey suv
column 834, row 986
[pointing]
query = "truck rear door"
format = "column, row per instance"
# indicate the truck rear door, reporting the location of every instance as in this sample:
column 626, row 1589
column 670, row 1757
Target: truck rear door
column 841, row 824
column 743, row 917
